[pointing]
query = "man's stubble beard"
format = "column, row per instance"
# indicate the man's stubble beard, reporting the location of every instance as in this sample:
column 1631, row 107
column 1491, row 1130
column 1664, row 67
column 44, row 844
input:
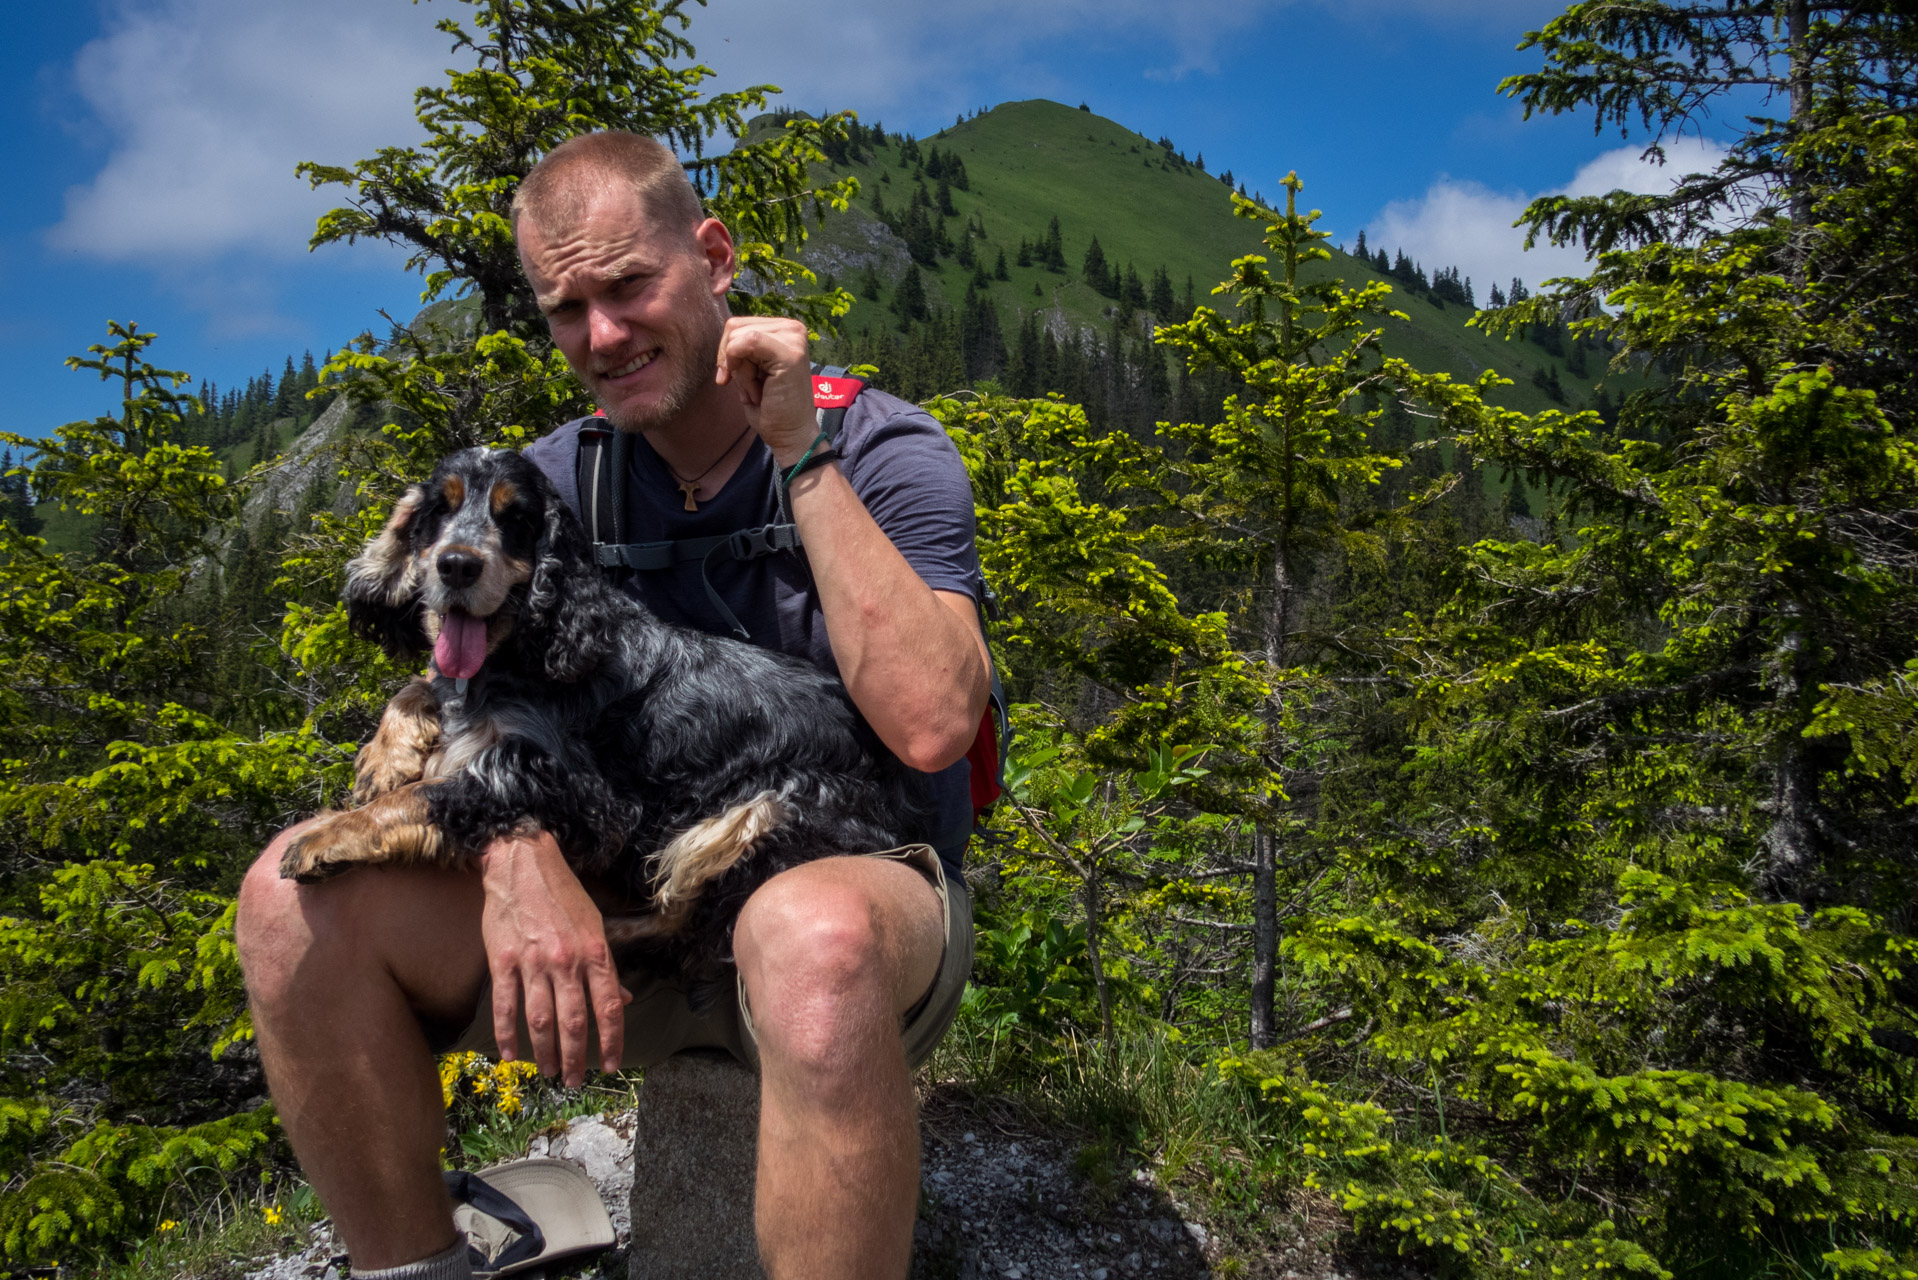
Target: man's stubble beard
column 695, row 374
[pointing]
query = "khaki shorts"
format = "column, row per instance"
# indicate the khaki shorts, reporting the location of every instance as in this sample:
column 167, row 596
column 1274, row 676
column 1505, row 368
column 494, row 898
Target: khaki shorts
column 660, row 1022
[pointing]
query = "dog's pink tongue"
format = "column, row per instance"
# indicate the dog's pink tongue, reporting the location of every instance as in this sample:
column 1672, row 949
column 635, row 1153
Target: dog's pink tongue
column 461, row 647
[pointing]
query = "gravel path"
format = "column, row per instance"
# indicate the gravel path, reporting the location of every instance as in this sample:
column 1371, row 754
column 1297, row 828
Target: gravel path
column 1004, row 1199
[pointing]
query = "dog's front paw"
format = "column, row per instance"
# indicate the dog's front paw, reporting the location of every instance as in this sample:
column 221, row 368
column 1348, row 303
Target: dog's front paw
column 321, row 852
column 395, row 830
column 383, row 774
column 397, row 755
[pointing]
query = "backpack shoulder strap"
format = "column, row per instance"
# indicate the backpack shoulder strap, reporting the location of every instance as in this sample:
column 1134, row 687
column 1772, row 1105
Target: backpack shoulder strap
column 593, row 473
column 833, row 391
column 603, row 459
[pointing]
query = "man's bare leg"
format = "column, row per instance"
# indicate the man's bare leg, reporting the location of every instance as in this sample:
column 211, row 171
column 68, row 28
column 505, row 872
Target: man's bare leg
column 336, row 974
column 832, row 953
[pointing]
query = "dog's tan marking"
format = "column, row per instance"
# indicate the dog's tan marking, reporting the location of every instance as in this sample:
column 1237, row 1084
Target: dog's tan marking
column 454, row 491
column 392, row 831
column 701, row 854
column 503, row 495
column 408, row 735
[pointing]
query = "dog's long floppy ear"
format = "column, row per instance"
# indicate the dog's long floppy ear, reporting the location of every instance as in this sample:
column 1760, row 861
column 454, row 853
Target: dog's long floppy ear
column 565, row 621
column 383, row 584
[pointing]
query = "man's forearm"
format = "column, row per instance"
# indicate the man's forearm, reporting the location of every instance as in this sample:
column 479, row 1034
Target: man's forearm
column 912, row 658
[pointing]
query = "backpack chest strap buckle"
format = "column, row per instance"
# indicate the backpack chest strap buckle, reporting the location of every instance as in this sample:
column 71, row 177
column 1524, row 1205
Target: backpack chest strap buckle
column 750, row 544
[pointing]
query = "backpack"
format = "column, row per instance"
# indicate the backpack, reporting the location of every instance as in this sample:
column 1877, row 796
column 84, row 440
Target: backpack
column 605, row 458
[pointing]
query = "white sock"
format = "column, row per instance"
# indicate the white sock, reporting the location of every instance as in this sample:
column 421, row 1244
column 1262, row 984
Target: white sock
column 452, row 1264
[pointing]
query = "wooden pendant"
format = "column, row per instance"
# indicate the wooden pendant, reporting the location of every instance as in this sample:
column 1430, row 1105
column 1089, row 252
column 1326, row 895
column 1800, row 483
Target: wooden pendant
column 689, row 487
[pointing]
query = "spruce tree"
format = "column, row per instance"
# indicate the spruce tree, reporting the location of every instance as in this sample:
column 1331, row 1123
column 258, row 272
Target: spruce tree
column 546, row 71
column 1131, row 291
column 909, row 299
column 16, row 497
column 981, row 337
column 922, row 242
column 1278, row 487
column 129, row 809
column 1095, row 272
column 999, row 271
column 1055, row 247
column 287, row 396
column 1025, row 371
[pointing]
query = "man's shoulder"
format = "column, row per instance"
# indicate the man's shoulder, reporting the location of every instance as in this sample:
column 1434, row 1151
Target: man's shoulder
column 555, row 453
column 873, row 408
column 881, row 423
column 557, row 446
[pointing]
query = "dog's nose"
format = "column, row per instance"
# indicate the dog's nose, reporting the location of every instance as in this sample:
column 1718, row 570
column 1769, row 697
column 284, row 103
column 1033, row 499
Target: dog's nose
column 459, row 569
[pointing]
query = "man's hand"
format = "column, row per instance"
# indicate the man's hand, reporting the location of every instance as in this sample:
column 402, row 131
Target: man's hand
column 766, row 359
column 545, row 938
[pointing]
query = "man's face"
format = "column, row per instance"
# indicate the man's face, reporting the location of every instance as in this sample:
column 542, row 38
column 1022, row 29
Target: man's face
column 633, row 304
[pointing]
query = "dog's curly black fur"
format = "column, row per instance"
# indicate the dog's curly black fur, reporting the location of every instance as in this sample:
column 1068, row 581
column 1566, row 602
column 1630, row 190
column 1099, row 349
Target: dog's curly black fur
column 595, row 721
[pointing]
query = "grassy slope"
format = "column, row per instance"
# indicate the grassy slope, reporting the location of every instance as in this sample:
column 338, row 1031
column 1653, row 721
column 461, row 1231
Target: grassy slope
column 1028, row 161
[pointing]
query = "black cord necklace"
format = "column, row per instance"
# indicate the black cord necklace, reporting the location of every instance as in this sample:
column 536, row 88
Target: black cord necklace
column 690, row 487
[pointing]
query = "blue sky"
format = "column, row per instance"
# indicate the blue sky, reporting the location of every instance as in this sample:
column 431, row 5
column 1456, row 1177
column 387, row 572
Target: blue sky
column 151, row 143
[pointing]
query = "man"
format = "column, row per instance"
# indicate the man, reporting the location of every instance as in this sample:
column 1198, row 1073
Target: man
column 354, row 982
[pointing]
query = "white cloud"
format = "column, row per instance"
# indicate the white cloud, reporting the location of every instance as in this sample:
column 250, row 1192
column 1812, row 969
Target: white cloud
column 1468, row 225
column 205, row 107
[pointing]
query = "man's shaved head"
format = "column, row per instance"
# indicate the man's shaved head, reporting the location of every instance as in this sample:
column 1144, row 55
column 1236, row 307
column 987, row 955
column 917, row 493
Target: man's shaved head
column 561, row 185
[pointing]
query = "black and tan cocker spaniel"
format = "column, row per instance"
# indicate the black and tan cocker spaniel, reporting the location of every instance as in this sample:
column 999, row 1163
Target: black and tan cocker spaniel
column 678, row 771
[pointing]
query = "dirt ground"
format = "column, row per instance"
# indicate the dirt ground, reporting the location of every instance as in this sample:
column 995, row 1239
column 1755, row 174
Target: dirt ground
column 1004, row 1197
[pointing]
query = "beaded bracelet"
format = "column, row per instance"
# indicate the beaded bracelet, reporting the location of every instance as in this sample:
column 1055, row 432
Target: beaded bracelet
column 809, row 459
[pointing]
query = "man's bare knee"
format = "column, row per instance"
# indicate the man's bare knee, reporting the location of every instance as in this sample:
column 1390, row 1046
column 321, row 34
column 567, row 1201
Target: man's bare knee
column 821, row 971
column 416, row 928
column 269, row 927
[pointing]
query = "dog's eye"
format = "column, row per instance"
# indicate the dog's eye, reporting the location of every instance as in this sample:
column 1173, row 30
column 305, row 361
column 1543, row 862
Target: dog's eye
column 518, row 518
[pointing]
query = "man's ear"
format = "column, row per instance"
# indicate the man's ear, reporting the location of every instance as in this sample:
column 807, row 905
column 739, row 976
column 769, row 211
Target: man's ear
column 722, row 260
column 383, row 584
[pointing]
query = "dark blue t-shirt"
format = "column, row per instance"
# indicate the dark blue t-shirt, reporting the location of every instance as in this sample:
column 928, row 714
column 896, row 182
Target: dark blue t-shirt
column 910, row 478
